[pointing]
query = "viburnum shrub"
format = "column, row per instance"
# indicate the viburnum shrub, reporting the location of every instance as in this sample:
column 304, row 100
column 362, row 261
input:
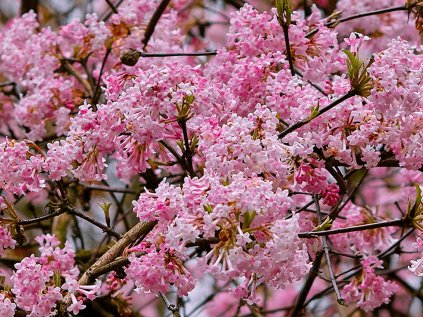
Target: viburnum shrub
column 212, row 158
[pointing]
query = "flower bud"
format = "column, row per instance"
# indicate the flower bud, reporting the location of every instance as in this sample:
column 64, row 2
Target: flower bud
column 130, row 57
column 284, row 11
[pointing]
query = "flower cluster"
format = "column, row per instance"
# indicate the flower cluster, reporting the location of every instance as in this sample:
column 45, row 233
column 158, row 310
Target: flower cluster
column 255, row 161
column 37, row 282
column 369, row 290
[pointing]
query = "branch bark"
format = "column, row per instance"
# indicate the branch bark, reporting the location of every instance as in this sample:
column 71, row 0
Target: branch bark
column 139, row 230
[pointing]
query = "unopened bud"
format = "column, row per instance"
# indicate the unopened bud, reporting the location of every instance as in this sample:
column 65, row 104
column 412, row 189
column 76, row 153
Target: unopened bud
column 130, row 57
column 284, row 11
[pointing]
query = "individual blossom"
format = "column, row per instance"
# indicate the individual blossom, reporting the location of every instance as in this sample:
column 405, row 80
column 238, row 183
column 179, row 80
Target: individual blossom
column 7, row 307
column 6, row 240
column 355, row 41
column 416, row 266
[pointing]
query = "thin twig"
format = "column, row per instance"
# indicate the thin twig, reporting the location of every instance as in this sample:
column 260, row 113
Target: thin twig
column 25, row 222
column 326, row 249
column 96, row 94
column 110, row 189
column 285, row 28
column 369, row 226
column 112, row 7
column 357, row 16
column 72, row 71
column 153, row 22
column 98, row 224
column 206, row 53
column 301, row 123
column 179, row 158
column 110, row 12
column 187, row 152
column 307, row 285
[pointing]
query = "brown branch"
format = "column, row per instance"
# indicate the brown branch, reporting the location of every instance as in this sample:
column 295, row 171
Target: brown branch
column 187, row 152
column 28, row 5
column 153, row 22
column 74, row 211
column 326, row 249
column 285, row 29
column 139, row 230
column 307, row 285
column 26, row 222
column 178, row 158
column 111, row 11
column 97, row 91
column 112, row 7
column 72, row 71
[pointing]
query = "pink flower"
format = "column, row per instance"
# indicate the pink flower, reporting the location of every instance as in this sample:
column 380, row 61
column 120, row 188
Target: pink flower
column 76, row 305
column 417, row 265
column 6, row 240
column 355, row 41
column 7, row 307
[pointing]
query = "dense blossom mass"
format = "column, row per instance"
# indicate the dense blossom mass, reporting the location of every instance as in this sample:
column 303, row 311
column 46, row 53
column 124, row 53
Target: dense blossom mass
column 223, row 158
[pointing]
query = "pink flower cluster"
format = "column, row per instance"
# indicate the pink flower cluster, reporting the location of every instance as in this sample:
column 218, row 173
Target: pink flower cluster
column 369, row 290
column 246, row 214
column 37, row 282
column 281, row 134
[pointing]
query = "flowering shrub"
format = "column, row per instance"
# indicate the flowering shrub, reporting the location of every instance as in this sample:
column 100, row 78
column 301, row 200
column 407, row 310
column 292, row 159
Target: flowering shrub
column 218, row 157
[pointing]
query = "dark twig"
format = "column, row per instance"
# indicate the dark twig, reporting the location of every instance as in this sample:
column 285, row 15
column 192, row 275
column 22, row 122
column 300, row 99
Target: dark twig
column 357, row 16
column 285, row 29
column 110, row 189
column 26, row 222
column 28, row 5
column 187, row 152
column 153, row 22
column 369, row 226
column 210, row 53
column 301, row 123
column 96, row 94
column 307, row 285
column 326, row 249
column 111, row 11
column 112, row 7
column 103, row 227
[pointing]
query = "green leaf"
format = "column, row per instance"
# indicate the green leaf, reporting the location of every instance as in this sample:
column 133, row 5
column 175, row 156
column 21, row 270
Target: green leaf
column 314, row 112
column 360, row 81
column 208, row 208
column 355, row 179
column 106, row 209
column 57, row 279
column 327, row 223
column 284, row 10
column 248, row 218
column 415, row 210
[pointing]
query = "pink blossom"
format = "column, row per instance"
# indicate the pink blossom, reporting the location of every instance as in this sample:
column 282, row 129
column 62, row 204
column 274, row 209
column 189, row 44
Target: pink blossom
column 355, row 41
column 369, row 291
